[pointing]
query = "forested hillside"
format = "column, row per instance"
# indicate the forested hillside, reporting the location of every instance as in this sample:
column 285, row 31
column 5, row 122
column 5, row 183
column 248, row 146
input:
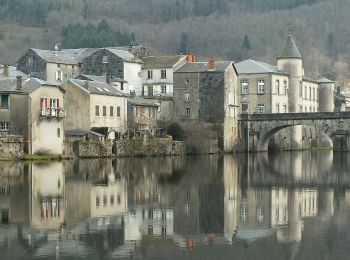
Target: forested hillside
column 226, row 29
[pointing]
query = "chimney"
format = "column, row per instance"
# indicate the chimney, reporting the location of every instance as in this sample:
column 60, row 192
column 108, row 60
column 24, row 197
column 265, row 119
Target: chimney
column 86, row 83
column 211, row 64
column 6, row 71
column 338, row 89
column 108, row 78
column 191, row 57
column 19, row 83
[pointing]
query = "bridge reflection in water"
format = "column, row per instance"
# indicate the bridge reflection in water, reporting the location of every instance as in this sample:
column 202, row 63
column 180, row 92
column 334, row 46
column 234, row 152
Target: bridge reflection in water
column 277, row 206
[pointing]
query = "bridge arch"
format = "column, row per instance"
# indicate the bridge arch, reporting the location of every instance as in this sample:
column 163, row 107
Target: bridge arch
column 263, row 140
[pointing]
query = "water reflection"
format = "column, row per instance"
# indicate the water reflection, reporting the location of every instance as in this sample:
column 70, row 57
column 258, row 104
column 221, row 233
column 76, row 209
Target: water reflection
column 194, row 207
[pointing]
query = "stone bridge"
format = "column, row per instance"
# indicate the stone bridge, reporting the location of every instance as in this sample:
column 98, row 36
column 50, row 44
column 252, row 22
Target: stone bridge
column 257, row 129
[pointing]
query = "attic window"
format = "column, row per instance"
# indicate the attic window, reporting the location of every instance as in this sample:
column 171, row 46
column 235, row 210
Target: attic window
column 99, row 89
column 105, row 59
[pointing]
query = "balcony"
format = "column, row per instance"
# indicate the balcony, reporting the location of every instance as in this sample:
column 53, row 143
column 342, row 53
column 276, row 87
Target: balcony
column 52, row 113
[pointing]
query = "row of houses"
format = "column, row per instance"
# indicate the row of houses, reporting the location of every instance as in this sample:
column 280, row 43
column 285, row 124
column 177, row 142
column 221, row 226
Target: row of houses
column 112, row 90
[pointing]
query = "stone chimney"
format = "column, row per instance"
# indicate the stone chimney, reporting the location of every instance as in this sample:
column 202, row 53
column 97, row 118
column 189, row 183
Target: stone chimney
column 191, row 57
column 211, row 64
column 19, row 83
column 108, row 78
column 6, row 71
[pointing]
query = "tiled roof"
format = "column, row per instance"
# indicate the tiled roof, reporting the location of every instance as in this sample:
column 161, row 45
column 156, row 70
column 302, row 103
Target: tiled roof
column 158, row 62
column 28, row 85
column 79, row 54
column 305, row 78
column 56, row 56
column 290, row 50
column 220, row 66
column 256, row 67
column 124, row 54
column 139, row 101
column 96, row 87
column 324, row 80
column 13, row 72
column 98, row 78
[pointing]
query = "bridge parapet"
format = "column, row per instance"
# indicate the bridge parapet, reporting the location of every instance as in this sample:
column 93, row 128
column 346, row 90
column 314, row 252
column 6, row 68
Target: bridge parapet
column 294, row 116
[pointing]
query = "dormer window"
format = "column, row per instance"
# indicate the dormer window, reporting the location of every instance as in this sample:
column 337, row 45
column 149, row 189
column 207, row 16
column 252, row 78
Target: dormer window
column 105, row 59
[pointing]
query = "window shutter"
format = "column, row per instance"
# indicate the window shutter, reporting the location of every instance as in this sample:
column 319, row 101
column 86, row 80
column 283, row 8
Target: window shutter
column 47, row 101
column 58, row 103
column 41, row 103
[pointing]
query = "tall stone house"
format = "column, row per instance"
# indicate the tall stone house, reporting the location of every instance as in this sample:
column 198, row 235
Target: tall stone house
column 94, row 105
column 205, row 92
column 33, row 108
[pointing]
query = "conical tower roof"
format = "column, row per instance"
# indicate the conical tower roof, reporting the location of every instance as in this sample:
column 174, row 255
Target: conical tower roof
column 291, row 49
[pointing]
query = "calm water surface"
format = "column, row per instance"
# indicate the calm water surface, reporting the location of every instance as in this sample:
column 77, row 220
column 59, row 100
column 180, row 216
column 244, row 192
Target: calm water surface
column 285, row 206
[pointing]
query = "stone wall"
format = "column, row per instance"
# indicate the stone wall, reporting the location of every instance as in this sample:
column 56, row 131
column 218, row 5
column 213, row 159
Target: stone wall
column 11, row 147
column 150, row 147
column 92, row 148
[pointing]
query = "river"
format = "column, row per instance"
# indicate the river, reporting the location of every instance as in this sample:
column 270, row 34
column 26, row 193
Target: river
column 291, row 205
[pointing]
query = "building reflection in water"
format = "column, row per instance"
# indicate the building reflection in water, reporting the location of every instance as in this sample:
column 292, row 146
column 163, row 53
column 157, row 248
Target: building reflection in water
column 121, row 208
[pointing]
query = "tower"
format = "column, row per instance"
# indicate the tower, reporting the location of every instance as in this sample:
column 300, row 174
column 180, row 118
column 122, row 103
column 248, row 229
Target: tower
column 325, row 95
column 292, row 62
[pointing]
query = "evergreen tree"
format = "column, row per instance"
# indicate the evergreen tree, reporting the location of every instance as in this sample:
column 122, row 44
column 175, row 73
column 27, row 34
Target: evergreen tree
column 183, row 44
column 246, row 43
column 330, row 45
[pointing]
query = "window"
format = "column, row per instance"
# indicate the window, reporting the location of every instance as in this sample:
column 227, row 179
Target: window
column 188, row 111
column 277, row 86
column 305, row 92
column 112, row 199
column 122, row 86
column 163, row 74
column 149, row 74
column 58, row 132
column 300, row 109
column 300, row 89
column 261, row 109
column 261, row 86
column 111, row 111
column 187, row 81
column 118, row 111
column 105, row 59
column 58, row 75
column 285, row 87
column 97, row 201
column 150, row 90
column 104, row 111
column 284, row 108
column 313, row 94
column 310, row 93
column 4, row 102
column 97, row 110
column 187, row 96
column 118, row 199
column 277, row 108
column 104, row 200
column 163, row 89
column 245, row 87
column 4, row 126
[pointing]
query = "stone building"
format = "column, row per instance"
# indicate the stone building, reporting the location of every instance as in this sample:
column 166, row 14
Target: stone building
column 118, row 63
column 142, row 115
column 52, row 66
column 33, row 109
column 95, row 105
column 205, row 92
column 60, row 65
column 284, row 88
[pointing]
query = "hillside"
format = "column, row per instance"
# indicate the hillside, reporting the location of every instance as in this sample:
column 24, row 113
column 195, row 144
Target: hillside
column 226, row 29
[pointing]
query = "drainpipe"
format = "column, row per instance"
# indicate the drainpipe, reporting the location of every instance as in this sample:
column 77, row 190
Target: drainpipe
column 30, row 130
